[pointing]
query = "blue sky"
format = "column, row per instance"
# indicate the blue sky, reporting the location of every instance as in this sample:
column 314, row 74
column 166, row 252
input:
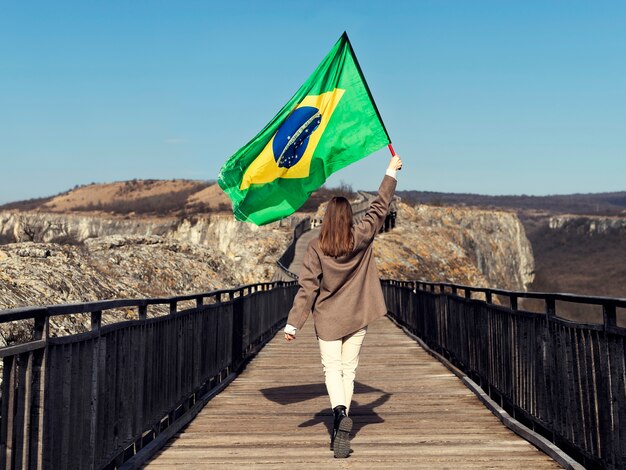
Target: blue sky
column 491, row 97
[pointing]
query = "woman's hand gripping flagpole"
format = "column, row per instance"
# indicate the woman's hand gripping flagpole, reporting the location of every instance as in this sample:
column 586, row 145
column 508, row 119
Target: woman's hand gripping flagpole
column 395, row 163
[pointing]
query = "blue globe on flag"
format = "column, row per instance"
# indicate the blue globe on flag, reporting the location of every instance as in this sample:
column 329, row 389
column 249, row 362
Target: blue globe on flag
column 292, row 137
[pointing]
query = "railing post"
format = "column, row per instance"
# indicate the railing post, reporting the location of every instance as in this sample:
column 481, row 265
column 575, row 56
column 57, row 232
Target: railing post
column 96, row 320
column 468, row 293
column 143, row 312
column 488, row 298
column 237, row 339
column 610, row 315
column 550, row 306
column 513, row 300
column 41, row 328
column 172, row 307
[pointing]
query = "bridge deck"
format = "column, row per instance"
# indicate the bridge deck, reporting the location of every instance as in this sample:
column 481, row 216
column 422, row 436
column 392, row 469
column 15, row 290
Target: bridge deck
column 409, row 411
column 301, row 246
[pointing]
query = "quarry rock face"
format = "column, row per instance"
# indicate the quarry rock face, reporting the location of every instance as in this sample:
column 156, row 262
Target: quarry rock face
column 595, row 225
column 459, row 245
column 252, row 250
column 51, row 227
column 117, row 259
column 33, row 274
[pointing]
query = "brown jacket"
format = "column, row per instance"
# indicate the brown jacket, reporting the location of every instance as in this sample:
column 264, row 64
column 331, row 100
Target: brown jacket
column 344, row 293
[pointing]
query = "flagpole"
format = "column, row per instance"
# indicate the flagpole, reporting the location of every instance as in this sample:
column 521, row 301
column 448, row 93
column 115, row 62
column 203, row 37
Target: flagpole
column 393, row 152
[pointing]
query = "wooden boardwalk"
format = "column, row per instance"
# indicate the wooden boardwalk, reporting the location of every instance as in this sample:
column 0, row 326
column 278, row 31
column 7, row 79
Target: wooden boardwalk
column 409, row 411
column 300, row 250
column 301, row 246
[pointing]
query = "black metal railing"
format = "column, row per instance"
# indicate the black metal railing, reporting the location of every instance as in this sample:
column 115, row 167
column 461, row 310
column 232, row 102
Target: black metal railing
column 565, row 380
column 97, row 399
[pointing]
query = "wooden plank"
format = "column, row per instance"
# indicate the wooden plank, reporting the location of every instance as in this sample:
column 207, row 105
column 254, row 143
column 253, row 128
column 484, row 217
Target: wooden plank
column 409, row 411
column 122, row 392
column 598, row 401
column 52, row 400
column 19, row 416
column 28, row 402
column 69, row 361
column 37, row 411
column 9, row 372
column 86, row 412
column 101, row 399
column 110, row 417
column 139, row 355
column 618, row 392
column 602, row 381
column 95, row 362
column 614, row 374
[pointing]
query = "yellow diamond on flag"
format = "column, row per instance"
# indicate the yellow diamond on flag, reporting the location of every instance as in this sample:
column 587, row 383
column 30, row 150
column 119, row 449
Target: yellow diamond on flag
column 288, row 153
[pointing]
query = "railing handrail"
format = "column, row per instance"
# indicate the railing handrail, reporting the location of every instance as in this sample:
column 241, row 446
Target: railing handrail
column 562, row 296
column 25, row 313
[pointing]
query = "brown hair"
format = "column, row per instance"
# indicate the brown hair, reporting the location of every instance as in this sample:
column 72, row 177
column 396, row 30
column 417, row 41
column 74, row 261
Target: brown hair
column 336, row 235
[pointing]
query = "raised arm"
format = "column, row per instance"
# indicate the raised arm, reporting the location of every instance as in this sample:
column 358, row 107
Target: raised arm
column 374, row 218
column 309, row 279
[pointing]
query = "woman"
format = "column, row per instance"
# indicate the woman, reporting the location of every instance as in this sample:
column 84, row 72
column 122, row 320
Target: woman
column 339, row 283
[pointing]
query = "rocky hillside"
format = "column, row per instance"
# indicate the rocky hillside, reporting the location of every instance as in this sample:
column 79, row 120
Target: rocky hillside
column 250, row 248
column 155, row 197
column 85, row 258
column 460, row 245
column 588, row 225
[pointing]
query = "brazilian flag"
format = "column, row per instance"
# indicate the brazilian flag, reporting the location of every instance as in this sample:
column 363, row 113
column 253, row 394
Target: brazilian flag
column 331, row 122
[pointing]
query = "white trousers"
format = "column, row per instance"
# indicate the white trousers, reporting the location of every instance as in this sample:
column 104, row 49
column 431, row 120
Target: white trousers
column 340, row 359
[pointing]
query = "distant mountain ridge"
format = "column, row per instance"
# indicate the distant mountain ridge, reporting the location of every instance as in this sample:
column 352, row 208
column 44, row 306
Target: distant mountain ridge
column 168, row 197
column 143, row 197
column 611, row 203
column 176, row 197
